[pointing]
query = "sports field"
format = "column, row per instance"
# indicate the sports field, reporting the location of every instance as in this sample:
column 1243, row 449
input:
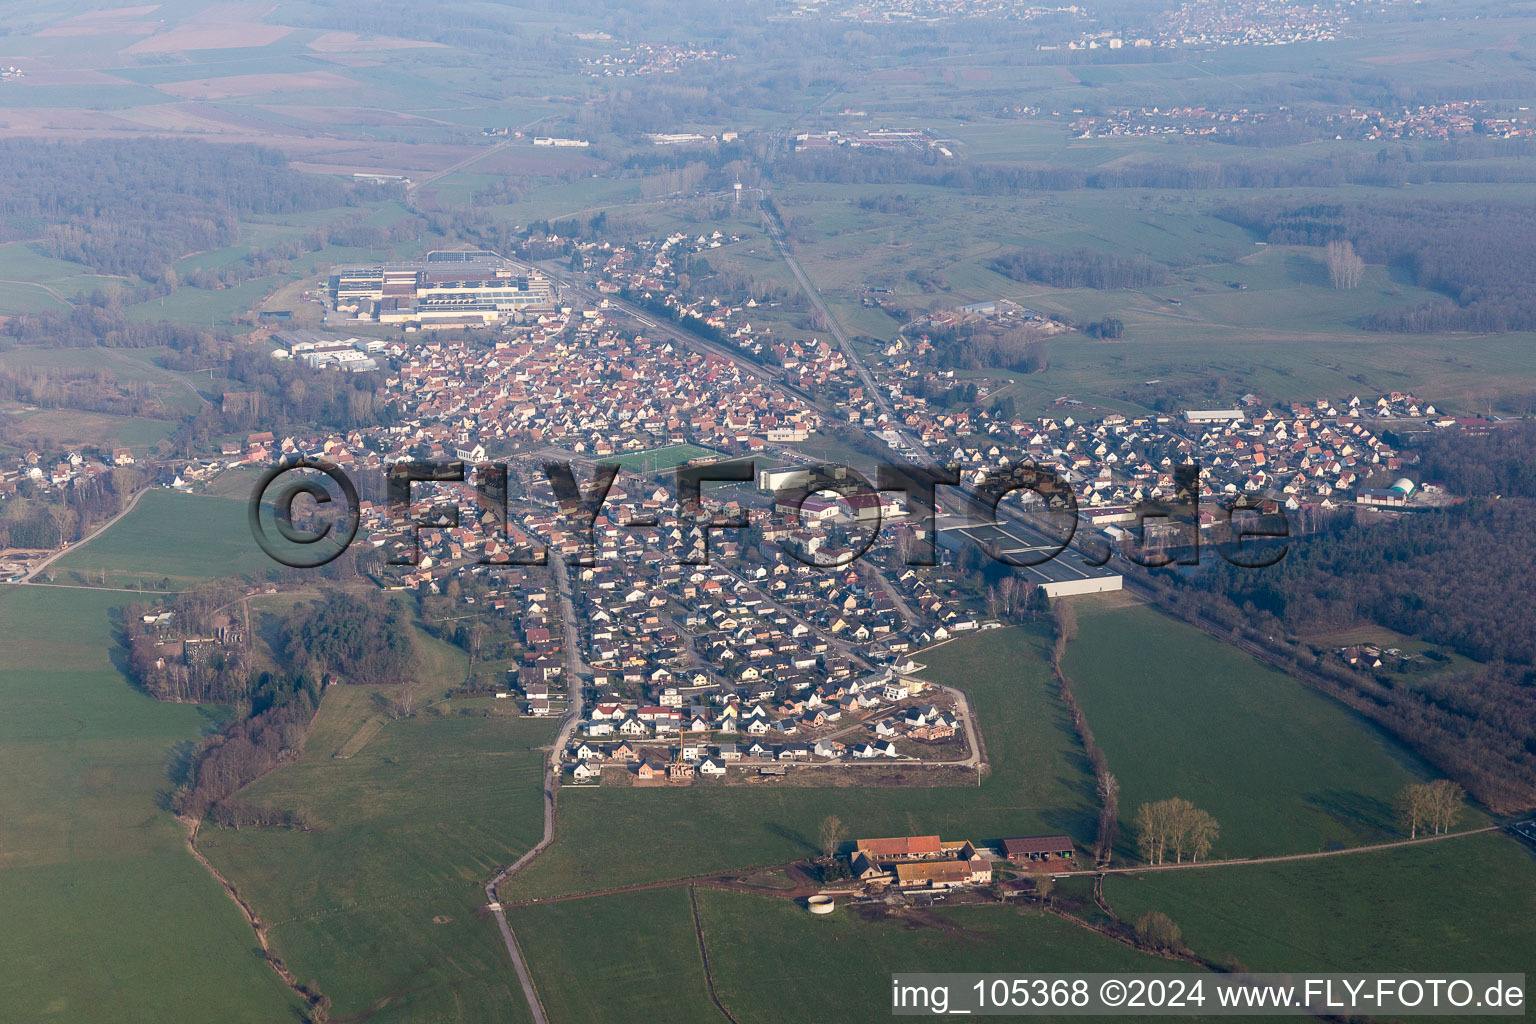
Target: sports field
column 655, row 460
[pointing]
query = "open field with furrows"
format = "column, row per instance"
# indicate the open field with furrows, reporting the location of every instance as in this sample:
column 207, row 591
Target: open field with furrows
column 772, row 961
column 382, row 902
column 108, row 917
column 1039, row 783
column 1460, row 904
column 1178, row 713
column 185, row 538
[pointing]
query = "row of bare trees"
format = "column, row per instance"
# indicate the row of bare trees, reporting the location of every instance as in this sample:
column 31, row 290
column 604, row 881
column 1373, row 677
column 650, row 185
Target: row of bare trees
column 1433, row 807
column 1345, row 267
column 1174, row 828
column 1106, row 786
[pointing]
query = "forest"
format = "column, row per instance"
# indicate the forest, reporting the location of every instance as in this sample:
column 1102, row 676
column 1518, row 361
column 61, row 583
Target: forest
column 1080, row 268
column 1496, row 462
column 1020, row 349
column 132, row 207
column 364, row 639
column 1476, row 254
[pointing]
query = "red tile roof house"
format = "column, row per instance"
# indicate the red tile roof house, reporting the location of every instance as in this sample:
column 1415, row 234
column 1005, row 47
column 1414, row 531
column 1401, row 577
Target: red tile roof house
column 900, row 847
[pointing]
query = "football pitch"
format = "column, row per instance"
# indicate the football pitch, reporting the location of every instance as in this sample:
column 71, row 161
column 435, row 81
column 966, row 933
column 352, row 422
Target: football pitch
column 654, row 460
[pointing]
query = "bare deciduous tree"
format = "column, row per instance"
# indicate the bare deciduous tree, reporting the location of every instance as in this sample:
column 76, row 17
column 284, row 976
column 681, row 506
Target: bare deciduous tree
column 1345, row 267
column 832, row 833
column 1174, row 827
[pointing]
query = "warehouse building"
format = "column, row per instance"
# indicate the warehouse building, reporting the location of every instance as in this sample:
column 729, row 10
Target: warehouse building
column 443, row 289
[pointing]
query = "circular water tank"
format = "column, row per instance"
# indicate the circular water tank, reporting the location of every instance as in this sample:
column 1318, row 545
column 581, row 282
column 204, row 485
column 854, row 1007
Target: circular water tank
column 820, row 904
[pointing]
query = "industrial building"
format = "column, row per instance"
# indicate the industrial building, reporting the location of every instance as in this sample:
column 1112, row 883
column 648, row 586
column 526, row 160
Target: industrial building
column 447, row 288
column 1396, row 496
column 1067, row 574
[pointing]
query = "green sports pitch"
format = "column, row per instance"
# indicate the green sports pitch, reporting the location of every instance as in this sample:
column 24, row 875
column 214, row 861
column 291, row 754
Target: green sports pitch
column 654, row 460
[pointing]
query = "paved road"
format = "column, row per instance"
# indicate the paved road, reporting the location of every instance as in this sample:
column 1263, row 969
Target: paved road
column 45, row 563
column 871, row 387
column 575, row 672
column 42, row 287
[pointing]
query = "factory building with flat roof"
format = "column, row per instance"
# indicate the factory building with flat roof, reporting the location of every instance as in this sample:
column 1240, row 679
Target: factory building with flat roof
column 447, row 288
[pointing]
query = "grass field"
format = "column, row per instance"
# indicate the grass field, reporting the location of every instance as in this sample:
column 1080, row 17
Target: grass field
column 186, row 538
column 1287, row 334
column 654, row 460
column 771, row 961
column 637, row 953
column 108, row 918
column 172, row 392
column 382, row 903
column 1039, row 783
column 52, row 429
column 1462, row 904
column 1283, row 769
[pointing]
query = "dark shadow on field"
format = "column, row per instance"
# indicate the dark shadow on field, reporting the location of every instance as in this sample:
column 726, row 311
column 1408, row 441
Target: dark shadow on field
column 1357, row 809
column 785, row 832
column 1304, row 269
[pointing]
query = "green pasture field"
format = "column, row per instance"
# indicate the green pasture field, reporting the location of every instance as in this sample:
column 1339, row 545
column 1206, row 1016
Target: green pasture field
column 218, row 307
column 187, row 538
column 771, row 960
column 1287, row 334
column 1039, row 783
column 1178, row 713
column 634, row 955
column 1466, row 903
column 382, row 903
column 52, row 429
column 108, row 917
column 20, row 297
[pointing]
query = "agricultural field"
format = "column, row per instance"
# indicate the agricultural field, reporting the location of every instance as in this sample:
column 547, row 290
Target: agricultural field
column 771, row 961
column 1039, row 783
column 92, row 866
column 1466, row 903
column 186, row 538
column 1178, row 713
column 382, row 901
column 1286, row 333
column 53, row 429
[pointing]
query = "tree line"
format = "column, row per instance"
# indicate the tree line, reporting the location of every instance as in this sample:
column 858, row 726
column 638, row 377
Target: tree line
column 1473, row 253
column 1174, row 828
column 1081, row 268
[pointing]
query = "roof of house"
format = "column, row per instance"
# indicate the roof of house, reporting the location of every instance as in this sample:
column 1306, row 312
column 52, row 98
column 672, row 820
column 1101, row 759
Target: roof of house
column 1037, row 844
column 900, row 846
column 934, row 871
